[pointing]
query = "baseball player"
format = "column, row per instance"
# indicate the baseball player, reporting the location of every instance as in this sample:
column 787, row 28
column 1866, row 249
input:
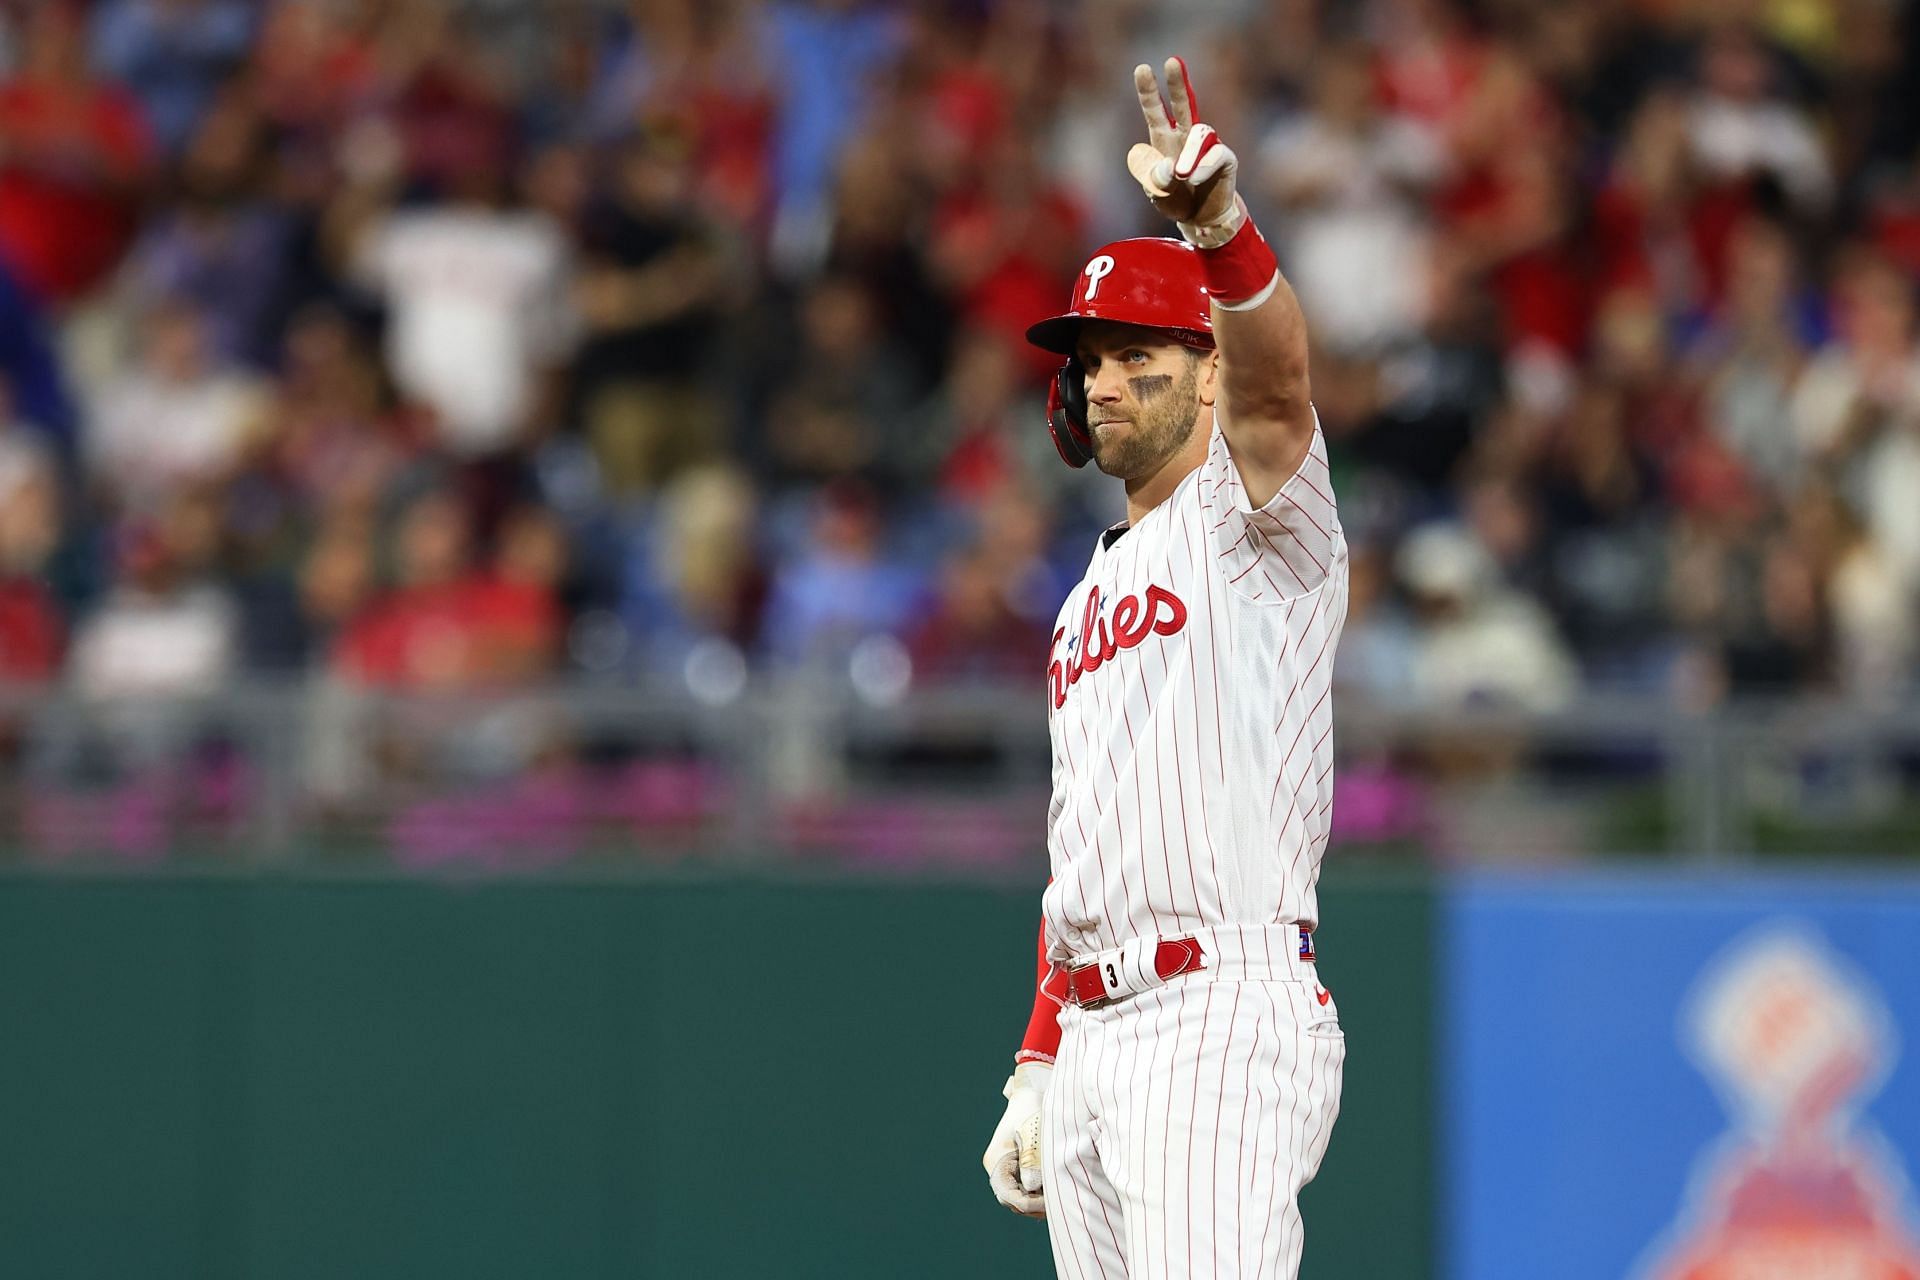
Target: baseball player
column 1181, row 1073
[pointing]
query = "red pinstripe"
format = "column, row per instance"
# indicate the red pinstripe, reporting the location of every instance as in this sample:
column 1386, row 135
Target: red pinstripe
column 1305, row 550
column 1219, row 1101
column 1325, row 1049
column 1287, row 759
column 1099, row 858
column 1063, row 1199
column 1110, row 1108
column 1307, row 516
column 1320, row 600
column 1087, row 1185
column 1282, row 559
column 1139, row 668
column 1320, row 1129
column 1220, row 753
column 1310, row 485
column 1193, row 682
column 1137, row 1153
column 1073, row 792
column 1246, row 1096
column 1193, row 1111
column 1099, row 1199
column 1235, row 543
column 1293, row 1103
column 1120, row 791
column 1166, row 1129
column 1273, row 1190
column 1313, row 617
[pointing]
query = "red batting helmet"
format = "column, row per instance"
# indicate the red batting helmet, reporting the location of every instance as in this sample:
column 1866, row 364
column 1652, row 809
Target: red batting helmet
column 1150, row 281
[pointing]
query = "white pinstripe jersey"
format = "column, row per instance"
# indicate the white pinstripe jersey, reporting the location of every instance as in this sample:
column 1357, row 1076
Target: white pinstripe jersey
column 1188, row 704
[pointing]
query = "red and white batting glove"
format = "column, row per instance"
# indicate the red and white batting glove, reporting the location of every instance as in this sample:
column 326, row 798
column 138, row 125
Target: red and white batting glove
column 1013, row 1156
column 1188, row 174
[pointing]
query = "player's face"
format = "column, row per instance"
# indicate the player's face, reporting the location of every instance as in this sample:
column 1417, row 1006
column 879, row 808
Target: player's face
column 1143, row 397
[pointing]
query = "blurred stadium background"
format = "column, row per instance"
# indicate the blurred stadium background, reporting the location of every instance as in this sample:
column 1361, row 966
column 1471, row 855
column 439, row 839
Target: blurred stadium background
column 526, row 544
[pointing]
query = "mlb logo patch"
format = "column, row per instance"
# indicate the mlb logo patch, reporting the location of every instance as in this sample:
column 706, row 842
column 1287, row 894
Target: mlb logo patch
column 1306, row 946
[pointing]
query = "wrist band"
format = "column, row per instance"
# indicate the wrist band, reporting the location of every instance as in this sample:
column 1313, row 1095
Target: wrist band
column 1243, row 272
column 1211, row 235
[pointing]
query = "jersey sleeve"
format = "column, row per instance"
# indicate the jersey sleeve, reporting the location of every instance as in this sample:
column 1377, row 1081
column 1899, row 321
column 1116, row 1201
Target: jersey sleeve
column 1042, row 1041
column 1283, row 550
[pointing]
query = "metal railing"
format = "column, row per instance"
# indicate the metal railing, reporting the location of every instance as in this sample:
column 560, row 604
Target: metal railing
column 810, row 768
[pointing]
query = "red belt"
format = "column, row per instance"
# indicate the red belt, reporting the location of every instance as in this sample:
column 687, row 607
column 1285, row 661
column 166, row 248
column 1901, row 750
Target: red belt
column 1086, row 985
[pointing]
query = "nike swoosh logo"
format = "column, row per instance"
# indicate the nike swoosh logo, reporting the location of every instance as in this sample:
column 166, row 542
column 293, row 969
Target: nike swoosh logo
column 1325, row 995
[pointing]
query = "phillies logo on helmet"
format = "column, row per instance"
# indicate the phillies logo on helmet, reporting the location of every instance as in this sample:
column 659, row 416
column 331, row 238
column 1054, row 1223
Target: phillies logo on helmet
column 1157, row 612
column 1097, row 270
column 1152, row 282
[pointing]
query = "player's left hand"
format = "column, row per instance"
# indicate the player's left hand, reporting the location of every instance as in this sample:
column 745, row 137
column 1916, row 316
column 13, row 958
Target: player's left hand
column 1186, row 171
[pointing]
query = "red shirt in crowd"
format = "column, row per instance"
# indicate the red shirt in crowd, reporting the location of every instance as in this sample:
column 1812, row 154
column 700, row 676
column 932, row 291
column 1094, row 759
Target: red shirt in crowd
column 474, row 631
column 70, row 159
column 31, row 633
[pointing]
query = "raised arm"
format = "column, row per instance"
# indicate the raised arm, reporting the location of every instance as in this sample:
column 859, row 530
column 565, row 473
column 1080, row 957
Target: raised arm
column 1189, row 174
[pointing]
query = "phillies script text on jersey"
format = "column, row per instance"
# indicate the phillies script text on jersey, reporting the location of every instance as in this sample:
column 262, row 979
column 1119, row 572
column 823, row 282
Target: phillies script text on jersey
column 1162, row 614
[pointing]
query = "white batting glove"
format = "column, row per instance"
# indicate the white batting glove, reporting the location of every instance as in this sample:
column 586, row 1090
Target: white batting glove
column 1013, row 1156
column 1186, row 171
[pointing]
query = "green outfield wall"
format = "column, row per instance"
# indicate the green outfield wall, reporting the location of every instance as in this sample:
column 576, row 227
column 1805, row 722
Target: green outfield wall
column 279, row 1079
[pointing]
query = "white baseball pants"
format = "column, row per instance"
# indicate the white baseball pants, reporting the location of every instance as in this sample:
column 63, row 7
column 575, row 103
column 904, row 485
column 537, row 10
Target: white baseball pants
column 1181, row 1123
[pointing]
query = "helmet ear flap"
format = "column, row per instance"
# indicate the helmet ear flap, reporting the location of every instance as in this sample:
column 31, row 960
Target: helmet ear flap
column 1067, row 414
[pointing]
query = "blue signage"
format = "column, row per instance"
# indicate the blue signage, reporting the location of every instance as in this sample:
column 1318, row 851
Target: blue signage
column 1680, row 1078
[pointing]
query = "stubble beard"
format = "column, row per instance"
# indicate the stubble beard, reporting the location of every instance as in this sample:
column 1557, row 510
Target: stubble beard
column 1164, row 422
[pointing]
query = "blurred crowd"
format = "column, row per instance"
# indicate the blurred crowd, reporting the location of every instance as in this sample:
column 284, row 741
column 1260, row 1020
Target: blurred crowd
column 458, row 346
